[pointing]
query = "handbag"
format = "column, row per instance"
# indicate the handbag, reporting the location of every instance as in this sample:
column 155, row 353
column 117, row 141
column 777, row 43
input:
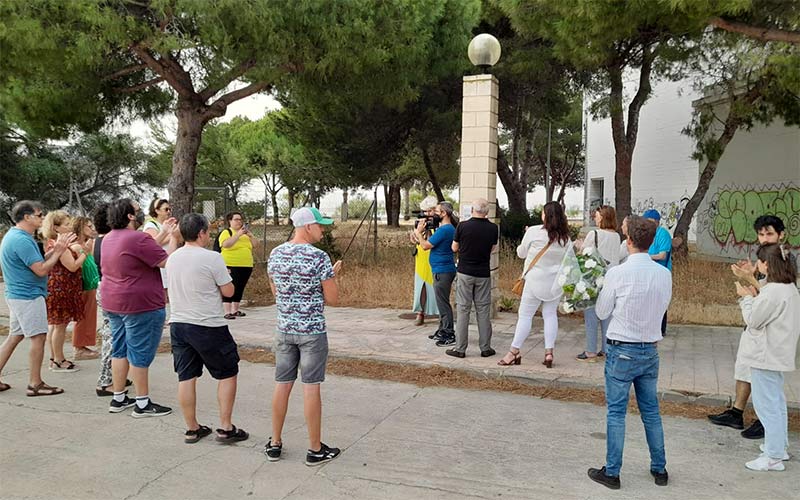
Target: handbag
column 90, row 274
column 519, row 285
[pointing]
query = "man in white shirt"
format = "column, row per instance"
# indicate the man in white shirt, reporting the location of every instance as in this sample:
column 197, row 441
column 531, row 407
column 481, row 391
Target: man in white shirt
column 198, row 279
column 635, row 295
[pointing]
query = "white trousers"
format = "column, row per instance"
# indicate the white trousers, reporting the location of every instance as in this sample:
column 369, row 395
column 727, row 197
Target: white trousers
column 528, row 305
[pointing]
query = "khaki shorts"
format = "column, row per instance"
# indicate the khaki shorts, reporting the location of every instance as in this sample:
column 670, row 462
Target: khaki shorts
column 27, row 317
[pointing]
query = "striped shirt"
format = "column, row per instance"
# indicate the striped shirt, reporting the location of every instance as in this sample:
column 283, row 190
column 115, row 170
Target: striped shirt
column 635, row 295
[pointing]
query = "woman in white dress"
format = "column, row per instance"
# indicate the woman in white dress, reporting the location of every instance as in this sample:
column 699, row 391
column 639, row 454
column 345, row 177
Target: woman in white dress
column 606, row 240
column 551, row 240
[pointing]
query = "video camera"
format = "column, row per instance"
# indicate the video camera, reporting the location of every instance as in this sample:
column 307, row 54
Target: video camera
column 431, row 221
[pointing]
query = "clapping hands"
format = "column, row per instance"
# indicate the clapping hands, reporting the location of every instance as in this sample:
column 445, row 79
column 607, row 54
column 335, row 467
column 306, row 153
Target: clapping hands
column 63, row 241
column 743, row 269
column 745, row 291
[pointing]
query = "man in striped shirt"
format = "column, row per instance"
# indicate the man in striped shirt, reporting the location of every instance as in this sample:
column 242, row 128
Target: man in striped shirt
column 635, row 295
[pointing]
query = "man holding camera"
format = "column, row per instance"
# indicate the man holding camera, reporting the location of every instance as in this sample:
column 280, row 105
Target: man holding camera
column 442, row 264
column 474, row 241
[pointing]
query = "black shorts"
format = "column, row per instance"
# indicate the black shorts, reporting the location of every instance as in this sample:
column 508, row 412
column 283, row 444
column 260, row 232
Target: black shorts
column 194, row 346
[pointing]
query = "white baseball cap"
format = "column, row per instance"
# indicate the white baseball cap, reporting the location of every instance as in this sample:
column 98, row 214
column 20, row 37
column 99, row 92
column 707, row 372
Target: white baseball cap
column 309, row 215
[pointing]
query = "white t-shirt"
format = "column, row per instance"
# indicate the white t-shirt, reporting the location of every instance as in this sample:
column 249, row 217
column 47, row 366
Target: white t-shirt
column 195, row 275
column 607, row 244
column 151, row 224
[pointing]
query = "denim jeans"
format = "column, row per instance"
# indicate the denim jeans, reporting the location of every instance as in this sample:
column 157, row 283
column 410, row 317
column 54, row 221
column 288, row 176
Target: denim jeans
column 590, row 321
column 635, row 364
column 769, row 402
column 442, row 284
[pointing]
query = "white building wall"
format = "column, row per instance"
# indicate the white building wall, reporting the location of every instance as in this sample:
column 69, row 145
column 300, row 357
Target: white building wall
column 663, row 174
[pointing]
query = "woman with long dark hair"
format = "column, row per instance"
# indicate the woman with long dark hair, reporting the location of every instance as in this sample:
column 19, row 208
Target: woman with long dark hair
column 547, row 244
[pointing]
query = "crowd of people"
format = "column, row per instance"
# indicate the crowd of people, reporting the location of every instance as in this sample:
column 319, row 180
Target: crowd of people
column 630, row 312
column 132, row 268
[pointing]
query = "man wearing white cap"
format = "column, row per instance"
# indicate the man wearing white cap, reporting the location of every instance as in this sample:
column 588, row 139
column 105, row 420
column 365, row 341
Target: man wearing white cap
column 302, row 281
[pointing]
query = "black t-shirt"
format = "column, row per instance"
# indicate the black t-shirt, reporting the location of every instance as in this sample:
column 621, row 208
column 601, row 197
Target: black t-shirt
column 475, row 238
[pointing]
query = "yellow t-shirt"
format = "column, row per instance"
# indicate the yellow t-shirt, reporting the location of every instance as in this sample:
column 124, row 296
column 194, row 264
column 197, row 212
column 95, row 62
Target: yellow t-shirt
column 238, row 255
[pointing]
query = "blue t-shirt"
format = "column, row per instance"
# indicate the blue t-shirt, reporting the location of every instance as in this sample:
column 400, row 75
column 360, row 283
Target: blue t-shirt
column 298, row 271
column 662, row 243
column 441, row 257
column 18, row 252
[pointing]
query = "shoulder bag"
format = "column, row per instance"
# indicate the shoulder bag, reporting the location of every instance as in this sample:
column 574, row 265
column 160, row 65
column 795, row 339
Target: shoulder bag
column 519, row 285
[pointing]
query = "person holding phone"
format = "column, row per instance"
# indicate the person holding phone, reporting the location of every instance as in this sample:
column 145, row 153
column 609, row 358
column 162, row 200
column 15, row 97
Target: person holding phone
column 237, row 252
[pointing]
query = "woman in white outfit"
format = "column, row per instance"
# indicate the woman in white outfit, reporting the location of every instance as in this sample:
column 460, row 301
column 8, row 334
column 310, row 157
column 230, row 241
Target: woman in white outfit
column 606, row 240
column 158, row 213
column 540, row 282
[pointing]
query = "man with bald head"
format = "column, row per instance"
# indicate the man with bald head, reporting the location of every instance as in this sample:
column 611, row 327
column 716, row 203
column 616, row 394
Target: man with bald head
column 475, row 240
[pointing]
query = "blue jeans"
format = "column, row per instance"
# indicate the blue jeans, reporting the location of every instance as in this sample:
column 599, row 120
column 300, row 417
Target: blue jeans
column 769, row 402
column 590, row 320
column 635, row 364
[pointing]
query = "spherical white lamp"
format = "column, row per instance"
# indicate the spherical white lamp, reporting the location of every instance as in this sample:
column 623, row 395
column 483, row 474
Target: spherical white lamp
column 484, row 51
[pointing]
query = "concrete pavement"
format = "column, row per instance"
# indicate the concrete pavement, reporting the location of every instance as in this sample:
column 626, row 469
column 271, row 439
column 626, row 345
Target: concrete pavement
column 400, row 442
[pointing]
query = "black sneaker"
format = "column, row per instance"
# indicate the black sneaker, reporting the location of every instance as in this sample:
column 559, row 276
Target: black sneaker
column 325, row 454
column 437, row 335
column 729, row 417
column 662, row 478
column 151, row 410
column 755, row 431
column 446, row 341
column 273, row 451
column 120, row 406
column 599, row 476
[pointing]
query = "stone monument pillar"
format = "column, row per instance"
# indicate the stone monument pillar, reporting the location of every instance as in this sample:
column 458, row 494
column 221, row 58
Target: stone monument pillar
column 478, row 177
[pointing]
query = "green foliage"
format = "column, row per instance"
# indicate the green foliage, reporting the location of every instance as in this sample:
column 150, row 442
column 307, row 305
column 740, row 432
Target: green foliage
column 512, row 225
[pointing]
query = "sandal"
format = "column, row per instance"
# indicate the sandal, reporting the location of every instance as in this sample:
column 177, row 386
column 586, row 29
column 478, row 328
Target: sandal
column 230, row 316
column 4, row 386
column 43, row 389
column 64, row 366
column 196, row 435
column 548, row 359
column 85, row 354
column 239, row 314
column 517, row 359
column 232, row 435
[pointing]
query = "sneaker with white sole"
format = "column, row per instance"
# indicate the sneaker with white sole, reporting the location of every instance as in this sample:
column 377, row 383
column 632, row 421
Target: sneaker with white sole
column 325, row 454
column 151, row 410
column 120, row 406
column 765, row 464
column 785, row 456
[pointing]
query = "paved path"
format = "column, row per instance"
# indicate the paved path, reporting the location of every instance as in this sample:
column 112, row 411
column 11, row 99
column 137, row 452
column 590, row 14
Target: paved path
column 400, row 442
column 696, row 361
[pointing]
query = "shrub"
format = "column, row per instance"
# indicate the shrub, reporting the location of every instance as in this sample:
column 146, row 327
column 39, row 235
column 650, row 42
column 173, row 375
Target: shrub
column 328, row 244
column 512, row 225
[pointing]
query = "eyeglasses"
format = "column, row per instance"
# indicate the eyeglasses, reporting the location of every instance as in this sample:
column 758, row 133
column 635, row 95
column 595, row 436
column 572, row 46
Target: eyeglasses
column 168, row 209
column 39, row 215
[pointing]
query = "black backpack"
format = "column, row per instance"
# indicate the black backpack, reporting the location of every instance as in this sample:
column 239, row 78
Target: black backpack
column 217, row 247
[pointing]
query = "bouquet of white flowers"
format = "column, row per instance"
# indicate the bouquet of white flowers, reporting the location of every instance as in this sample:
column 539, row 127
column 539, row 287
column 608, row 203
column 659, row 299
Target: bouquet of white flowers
column 581, row 279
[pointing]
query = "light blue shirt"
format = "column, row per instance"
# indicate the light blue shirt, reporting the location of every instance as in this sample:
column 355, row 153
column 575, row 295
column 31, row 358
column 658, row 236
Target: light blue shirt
column 635, row 295
column 18, row 252
column 662, row 243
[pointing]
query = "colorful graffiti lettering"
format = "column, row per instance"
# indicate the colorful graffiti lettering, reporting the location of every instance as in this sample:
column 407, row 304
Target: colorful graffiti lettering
column 670, row 211
column 732, row 212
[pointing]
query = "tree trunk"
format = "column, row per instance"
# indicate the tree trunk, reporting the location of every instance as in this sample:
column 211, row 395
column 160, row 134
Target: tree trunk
column 191, row 120
column 393, row 201
column 276, row 219
column 345, row 209
column 426, row 159
column 732, row 124
column 407, row 199
column 291, row 200
column 514, row 190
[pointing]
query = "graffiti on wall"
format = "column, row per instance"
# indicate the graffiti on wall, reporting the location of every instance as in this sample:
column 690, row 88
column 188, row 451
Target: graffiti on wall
column 729, row 215
column 670, row 211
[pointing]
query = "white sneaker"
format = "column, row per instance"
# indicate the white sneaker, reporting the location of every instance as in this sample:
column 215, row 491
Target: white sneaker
column 764, row 464
column 785, row 456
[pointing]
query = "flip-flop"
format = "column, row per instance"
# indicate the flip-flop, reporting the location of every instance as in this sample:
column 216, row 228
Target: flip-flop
column 196, row 435
column 4, row 386
column 43, row 389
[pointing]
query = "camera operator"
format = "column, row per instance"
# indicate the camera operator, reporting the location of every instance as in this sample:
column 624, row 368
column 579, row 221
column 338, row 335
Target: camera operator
column 443, row 266
column 423, row 276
